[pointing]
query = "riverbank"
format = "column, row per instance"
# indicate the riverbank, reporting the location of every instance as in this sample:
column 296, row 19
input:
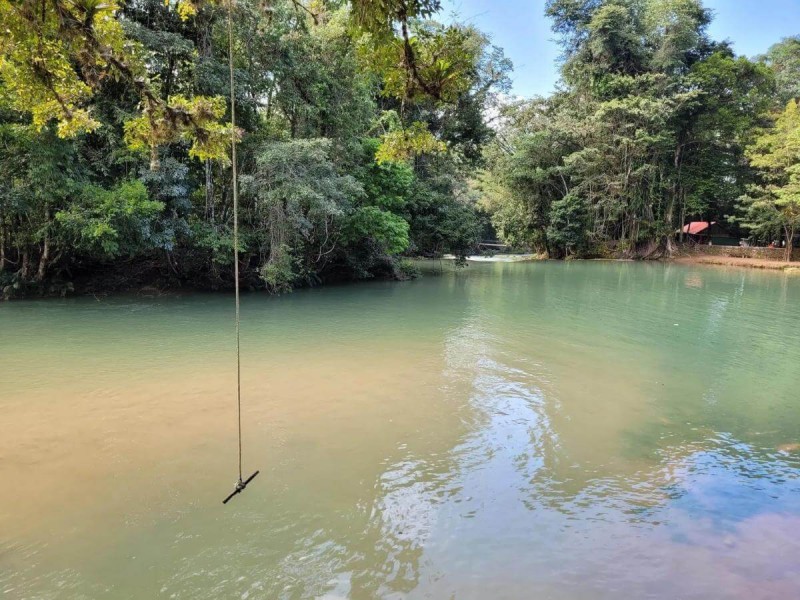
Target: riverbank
column 497, row 257
column 153, row 283
column 722, row 256
column 685, row 259
column 155, row 277
column 737, row 261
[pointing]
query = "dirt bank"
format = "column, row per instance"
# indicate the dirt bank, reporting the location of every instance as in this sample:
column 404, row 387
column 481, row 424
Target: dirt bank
column 735, row 261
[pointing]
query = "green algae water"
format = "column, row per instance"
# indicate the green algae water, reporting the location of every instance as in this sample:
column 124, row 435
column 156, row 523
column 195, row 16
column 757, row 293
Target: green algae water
column 537, row 430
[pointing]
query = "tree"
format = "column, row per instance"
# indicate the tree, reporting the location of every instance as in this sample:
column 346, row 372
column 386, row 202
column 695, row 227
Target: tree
column 734, row 95
column 299, row 197
column 775, row 202
column 648, row 129
column 378, row 214
column 567, row 230
column 784, row 60
column 54, row 55
column 358, row 121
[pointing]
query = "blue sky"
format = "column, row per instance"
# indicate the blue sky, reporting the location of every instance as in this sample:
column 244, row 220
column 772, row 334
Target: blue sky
column 521, row 29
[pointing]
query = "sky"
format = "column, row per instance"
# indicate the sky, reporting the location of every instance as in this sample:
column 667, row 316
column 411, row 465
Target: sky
column 522, row 30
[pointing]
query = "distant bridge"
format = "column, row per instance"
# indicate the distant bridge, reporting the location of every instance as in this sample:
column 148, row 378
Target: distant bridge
column 493, row 245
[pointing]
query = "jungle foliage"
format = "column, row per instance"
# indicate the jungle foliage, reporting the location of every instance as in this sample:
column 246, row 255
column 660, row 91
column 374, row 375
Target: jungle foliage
column 654, row 124
column 358, row 124
column 369, row 131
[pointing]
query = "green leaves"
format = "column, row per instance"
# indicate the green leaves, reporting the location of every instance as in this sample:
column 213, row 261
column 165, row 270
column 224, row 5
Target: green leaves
column 430, row 61
column 778, row 148
column 193, row 120
column 379, row 16
column 567, row 231
column 388, row 230
column 387, row 184
column 404, row 144
column 54, row 56
column 678, row 29
column 783, row 59
column 300, row 197
column 111, row 223
column 648, row 130
column 775, row 202
column 358, row 125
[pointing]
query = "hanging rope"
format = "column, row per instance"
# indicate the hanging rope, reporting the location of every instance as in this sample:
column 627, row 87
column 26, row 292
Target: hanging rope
column 240, row 485
column 235, row 229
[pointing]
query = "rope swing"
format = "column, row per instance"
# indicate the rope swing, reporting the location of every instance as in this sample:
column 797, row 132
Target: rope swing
column 241, row 483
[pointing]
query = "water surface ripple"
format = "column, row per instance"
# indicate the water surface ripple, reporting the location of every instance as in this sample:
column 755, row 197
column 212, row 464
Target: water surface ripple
column 547, row 430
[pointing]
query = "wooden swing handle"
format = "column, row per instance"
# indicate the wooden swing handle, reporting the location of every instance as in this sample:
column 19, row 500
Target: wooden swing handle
column 240, row 485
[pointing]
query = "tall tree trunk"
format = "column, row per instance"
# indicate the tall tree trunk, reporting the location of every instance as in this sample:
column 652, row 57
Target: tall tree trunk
column 45, row 257
column 25, row 266
column 277, row 218
column 155, row 161
column 674, row 195
column 789, row 232
column 2, row 244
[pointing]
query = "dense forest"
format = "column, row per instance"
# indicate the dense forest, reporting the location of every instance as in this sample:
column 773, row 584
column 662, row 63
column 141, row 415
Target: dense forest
column 359, row 125
column 654, row 125
column 368, row 132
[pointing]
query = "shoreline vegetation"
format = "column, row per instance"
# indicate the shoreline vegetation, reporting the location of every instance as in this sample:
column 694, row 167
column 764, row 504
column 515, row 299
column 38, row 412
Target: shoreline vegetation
column 373, row 131
column 155, row 287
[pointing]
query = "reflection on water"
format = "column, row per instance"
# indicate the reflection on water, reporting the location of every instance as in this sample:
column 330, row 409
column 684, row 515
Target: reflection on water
column 551, row 430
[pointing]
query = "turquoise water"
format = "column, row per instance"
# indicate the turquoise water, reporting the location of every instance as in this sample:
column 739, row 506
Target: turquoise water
column 533, row 430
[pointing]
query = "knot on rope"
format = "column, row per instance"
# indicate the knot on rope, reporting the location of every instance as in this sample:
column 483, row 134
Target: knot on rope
column 240, row 486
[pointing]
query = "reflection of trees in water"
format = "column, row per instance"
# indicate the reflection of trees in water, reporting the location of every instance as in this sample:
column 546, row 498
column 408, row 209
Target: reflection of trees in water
column 373, row 545
column 527, row 444
column 409, row 492
column 734, row 318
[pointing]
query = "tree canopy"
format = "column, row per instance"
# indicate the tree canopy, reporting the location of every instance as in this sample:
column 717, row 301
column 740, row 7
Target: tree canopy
column 651, row 127
column 772, row 204
column 358, row 124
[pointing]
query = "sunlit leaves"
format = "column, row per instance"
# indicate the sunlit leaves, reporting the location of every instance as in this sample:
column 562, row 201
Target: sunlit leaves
column 186, row 9
column 54, row 55
column 648, row 129
column 380, row 16
column 779, row 147
column 776, row 153
column 677, row 28
column 192, row 120
column 406, row 143
column 38, row 52
column 435, row 61
column 322, row 90
column 784, row 60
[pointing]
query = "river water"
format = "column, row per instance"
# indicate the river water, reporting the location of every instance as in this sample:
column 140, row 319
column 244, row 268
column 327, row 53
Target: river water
column 538, row 430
